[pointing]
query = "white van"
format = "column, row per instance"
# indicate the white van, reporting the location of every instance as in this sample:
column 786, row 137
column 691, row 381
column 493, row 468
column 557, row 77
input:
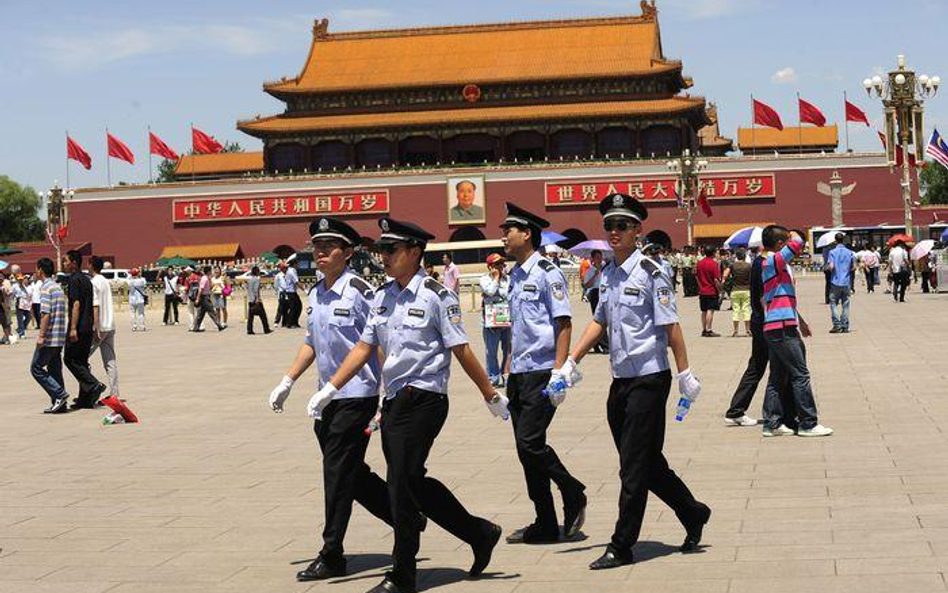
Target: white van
column 116, row 276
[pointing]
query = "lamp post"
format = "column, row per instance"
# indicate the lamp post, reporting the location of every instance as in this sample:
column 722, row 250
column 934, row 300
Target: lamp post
column 903, row 94
column 688, row 184
column 57, row 216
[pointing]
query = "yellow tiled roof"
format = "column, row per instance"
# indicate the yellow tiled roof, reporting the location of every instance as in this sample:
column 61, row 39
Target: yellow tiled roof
column 766, row 138
column 480, row 54
column 221, row 251
column 222, row 162
column 472, row 115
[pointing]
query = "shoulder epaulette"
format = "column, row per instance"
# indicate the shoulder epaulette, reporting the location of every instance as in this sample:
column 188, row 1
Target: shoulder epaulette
column 546, row 265
column 436, row 287
column 362, row 286
column 651, row 266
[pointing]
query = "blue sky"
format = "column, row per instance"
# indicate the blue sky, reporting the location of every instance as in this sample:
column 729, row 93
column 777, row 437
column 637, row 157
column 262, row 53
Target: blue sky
column 86, row 65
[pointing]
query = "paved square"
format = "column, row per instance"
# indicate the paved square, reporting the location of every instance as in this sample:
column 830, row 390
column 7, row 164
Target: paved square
column 212, row 492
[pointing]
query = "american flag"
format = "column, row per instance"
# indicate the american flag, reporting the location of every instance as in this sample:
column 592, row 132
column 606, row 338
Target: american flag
column 937, row 149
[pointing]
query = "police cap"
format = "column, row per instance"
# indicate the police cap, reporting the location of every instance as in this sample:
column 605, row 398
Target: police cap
column 327, row 227
column 622, row 205
column 520, row 217
column 394, row 231
column 657, row 239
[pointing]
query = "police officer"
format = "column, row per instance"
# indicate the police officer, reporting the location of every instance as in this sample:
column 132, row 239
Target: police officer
column 540, row 333
column 294, row 306
column 637, row 308
column 657, row 244
column 339, row 307
column 417, row 324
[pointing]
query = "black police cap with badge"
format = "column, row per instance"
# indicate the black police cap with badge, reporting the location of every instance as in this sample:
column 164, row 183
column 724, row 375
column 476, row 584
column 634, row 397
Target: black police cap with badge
column 517, row 216
column 327, row 227
column 622, row 205
column 397, row 231
column 657, row 240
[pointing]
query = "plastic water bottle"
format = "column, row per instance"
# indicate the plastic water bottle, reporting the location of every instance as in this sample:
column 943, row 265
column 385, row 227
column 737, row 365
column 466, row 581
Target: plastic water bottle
column 684, row 406
column 557, row 387
column 372, row 427
column 113, row 418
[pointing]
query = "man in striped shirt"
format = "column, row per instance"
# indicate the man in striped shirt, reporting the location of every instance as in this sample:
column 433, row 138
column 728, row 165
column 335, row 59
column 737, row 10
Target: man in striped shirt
column 783, row 328
column 47, row 365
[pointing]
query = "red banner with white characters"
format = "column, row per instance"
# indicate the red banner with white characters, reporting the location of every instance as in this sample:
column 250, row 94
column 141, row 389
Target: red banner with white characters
column 267, row 207
column 659, row 190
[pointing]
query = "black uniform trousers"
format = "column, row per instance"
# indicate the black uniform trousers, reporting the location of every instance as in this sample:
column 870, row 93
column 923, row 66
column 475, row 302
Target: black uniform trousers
column 257, row 310
column 171, row 304
column 410, row 423
column 346, row 477
column 76, row 359
column 827, row 285
column 292, row 311
column 636, row 413
column 281, row 309
column 531, row 413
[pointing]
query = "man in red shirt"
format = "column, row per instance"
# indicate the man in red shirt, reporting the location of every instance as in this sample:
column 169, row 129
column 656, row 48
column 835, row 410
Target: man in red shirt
column 708, row 273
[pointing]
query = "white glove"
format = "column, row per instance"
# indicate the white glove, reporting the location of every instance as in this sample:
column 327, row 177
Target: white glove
column 570, row 372
column 320, row 400
column 280, row 393
column 556, row 397
column 688, row 384
column 498, row 405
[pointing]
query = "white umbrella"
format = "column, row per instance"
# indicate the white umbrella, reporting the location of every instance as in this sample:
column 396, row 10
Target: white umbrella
column 922, row 249
column 745, row 237
column 552, row 248
column 827, row 238
column 586, row 248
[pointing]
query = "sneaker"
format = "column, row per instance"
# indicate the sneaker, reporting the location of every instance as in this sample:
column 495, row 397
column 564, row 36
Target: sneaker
column 817, row 431
column 57, row 407
column 744, row 420
column 780, row 431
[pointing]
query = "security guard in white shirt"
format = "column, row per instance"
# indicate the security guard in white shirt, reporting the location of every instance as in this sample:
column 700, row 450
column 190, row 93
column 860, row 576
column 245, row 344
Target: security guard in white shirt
column 637, row 308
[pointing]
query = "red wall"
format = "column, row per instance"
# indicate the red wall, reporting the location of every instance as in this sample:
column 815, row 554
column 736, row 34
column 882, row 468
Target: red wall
column 136, row 230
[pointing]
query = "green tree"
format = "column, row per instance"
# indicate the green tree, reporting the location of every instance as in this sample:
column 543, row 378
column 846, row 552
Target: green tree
column 19, row 207
column 166, row 166
column 934, row 183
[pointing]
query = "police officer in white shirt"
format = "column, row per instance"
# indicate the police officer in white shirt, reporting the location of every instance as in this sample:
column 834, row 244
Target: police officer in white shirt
column 339, row 307
column 294, row 306
column 417, row 324
column 637, row 308
column 540, row 332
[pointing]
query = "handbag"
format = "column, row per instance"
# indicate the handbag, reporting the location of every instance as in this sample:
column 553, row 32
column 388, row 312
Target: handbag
column 228, row 289
column 193, row 291
column 144, row 296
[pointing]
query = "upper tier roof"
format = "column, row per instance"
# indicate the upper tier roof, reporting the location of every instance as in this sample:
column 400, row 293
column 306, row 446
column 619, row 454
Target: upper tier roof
column 789, row 137
column 481, row 54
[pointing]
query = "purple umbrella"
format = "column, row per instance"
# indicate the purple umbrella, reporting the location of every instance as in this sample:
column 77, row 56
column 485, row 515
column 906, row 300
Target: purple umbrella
column 585, row 248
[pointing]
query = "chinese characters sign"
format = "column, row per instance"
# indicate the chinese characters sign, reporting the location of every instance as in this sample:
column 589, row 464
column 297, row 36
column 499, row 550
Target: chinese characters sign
column 254, row 208
column 659, row 190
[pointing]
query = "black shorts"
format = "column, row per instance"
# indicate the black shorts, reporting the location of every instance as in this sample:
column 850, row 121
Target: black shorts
column 709, row 303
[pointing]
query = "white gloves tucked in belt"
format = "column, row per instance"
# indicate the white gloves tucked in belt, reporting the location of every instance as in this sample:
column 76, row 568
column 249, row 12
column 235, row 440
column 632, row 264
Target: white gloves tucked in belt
column 320, row 400
column 498, row 405
column 280, row 393
column 689, row 385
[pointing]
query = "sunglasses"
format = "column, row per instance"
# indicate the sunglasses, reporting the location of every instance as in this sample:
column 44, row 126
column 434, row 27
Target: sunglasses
column 618, row 225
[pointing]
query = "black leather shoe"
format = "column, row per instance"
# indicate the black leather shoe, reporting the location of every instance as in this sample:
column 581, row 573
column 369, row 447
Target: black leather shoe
column 483, row 551
column 387, row 586
column 693, row 537
column 319, row 570
column 611, row 560
column 574, row 515
column 534, row 534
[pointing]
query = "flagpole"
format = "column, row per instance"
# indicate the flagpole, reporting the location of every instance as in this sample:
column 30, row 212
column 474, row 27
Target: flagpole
column 753, row 128
column 150, row 176
column 846, row 118
column 67, row 159
column 108, row 164
column 799, row 124
column 192, row 152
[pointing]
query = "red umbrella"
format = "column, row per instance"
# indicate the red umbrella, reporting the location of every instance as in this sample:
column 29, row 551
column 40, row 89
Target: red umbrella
column 907, row 239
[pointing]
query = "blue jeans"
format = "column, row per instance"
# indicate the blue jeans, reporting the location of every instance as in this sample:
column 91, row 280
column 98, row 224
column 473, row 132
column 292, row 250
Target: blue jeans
column 47, row 369
column 839, row 295
column 788, row 362
column 22, row 320
column 496, row 338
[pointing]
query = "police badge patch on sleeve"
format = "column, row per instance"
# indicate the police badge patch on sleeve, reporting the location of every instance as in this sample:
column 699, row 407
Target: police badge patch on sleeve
column 454, row 314
column 559, row 292
column 664, row 296
column 309, row 310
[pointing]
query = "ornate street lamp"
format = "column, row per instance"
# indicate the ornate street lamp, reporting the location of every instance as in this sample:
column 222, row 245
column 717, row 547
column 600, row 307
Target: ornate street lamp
column 57, row 216
column 903, row 95
column 688, row 185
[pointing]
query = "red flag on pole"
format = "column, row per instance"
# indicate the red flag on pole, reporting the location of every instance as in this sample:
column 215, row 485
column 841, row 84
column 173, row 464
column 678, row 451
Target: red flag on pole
column 703, row 203
column 764, row 115
column 203, row 143
column 855, row 114
column 899, row 153
column 157, row 146
column 76, row 153
column 810, row 114
column 119, row 150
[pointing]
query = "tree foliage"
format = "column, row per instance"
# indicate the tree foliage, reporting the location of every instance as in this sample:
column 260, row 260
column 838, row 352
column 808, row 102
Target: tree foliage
column 934, row 184
column 19, row 212
column 166, row 166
